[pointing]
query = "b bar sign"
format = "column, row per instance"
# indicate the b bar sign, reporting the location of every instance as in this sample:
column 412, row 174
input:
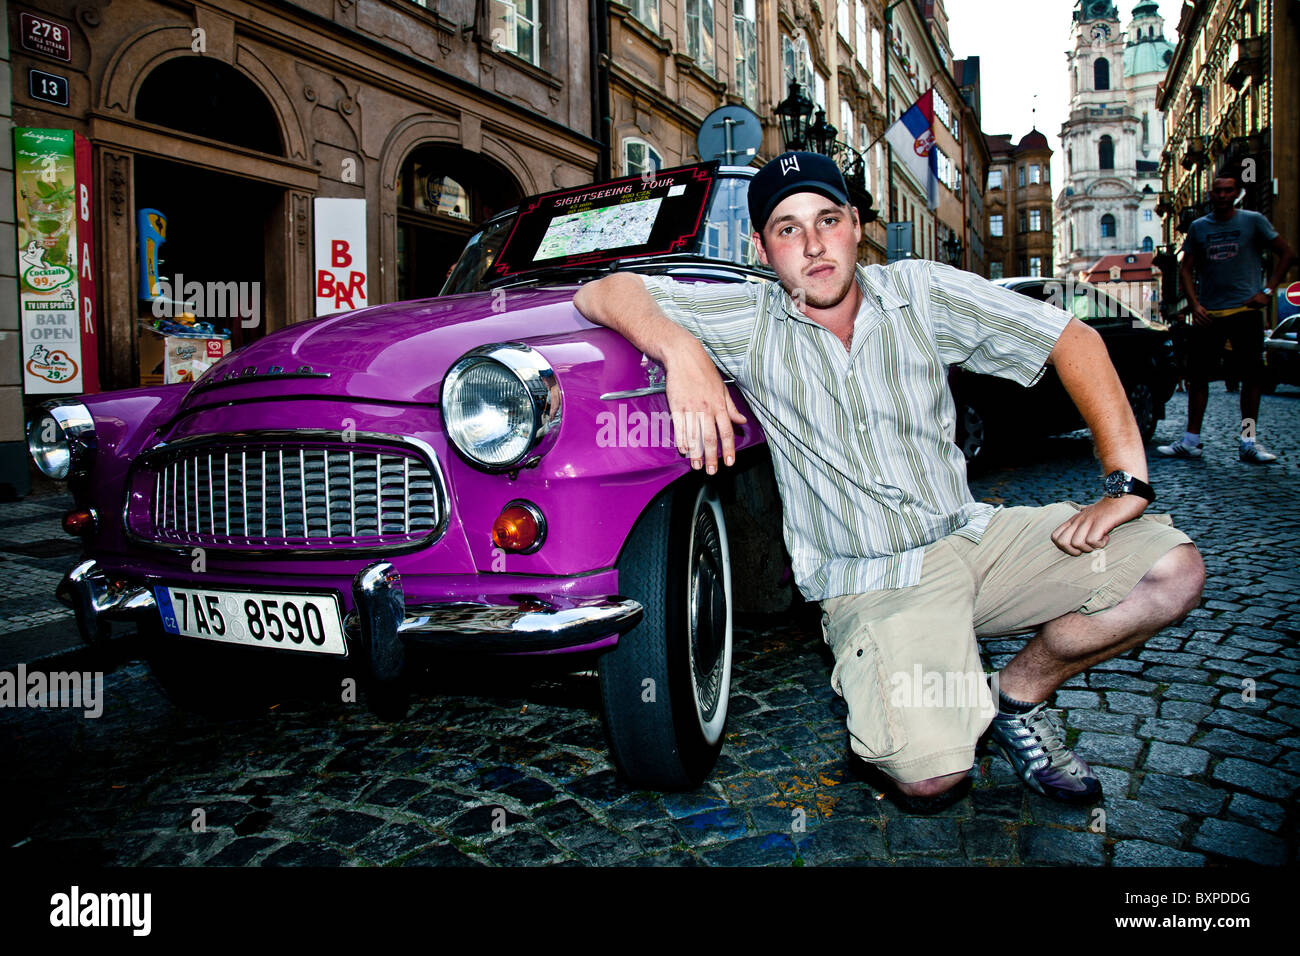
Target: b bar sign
column 340, row 255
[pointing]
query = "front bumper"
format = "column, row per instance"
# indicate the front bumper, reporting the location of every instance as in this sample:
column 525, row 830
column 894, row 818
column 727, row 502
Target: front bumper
column 381, row 623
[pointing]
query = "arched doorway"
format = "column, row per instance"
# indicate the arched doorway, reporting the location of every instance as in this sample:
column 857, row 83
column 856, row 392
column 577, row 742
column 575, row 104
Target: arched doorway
column 444, row 194
column 218, row 224
column 209, row 98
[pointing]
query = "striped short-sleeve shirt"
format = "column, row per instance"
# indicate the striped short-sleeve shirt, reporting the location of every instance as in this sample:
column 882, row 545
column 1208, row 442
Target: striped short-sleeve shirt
column 861, row 439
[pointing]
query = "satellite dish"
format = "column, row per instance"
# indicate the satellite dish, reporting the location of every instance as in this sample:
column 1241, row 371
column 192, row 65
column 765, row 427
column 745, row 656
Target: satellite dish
column 731, row 135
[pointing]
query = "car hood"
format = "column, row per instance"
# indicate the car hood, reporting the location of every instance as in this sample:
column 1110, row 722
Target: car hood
column 388, row 353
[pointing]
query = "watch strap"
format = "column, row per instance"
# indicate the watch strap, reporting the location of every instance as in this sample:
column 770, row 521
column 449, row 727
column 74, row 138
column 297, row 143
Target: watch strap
column 1131, row 485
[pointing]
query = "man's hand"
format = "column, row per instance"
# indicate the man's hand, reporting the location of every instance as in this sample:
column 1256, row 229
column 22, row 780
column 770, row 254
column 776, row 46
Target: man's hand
column 1090, row 528
column 1084, row 368
column 1259, row 301
column 1197, row 315
column 702, row 410
column 701, row 406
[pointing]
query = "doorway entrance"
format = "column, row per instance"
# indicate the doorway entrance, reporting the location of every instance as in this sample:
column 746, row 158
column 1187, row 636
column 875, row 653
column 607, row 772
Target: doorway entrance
column 444, row 194
column 216, row 228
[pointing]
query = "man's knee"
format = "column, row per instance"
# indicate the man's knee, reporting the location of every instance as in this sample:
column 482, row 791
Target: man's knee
column 1175, row 582
column 933, row 786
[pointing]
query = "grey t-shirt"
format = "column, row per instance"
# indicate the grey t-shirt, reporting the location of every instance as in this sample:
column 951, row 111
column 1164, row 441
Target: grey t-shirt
column 1227, row 256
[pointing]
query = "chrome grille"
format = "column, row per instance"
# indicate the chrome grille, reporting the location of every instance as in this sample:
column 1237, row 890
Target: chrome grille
column 312, row 496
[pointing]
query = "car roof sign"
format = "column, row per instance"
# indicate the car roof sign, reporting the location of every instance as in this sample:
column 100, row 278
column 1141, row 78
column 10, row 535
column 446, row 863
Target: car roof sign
column 621, row 219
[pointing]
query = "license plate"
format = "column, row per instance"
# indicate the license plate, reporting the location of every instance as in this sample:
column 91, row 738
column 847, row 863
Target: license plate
column 291, row 622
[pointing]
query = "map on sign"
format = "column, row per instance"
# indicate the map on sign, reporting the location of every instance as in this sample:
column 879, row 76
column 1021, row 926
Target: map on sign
column 660, row 212
column 628, row 224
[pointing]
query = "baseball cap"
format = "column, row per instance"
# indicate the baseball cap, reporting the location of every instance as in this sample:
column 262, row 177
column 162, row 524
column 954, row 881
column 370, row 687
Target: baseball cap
column 789, row 173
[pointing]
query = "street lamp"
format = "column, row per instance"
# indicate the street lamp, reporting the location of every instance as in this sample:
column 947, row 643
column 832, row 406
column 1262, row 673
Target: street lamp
column 952, row 248
column 822, row 134
column 792, row 115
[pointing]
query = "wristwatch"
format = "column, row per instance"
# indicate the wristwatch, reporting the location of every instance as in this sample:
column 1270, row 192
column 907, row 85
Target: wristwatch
column 1120, row 483
column 1266, row 290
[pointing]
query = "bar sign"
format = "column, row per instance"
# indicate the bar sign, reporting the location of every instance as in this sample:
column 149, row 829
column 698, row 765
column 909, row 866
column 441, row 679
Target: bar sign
column 46, row 37
column 47, row 86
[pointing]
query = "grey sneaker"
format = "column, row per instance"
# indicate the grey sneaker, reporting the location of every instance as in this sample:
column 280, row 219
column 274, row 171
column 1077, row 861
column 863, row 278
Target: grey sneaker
column 1034, row 745
column 1255, row 455
column 1179, row 450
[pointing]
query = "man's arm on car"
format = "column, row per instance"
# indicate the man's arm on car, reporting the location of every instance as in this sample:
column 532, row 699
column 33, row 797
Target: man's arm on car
column 1083, row 365
column 701, row 406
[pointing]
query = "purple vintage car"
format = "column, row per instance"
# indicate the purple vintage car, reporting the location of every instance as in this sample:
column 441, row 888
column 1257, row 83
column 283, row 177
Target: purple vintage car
column 482, row 471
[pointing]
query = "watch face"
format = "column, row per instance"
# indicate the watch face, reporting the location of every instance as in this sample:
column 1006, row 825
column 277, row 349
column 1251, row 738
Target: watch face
column 1114, row 484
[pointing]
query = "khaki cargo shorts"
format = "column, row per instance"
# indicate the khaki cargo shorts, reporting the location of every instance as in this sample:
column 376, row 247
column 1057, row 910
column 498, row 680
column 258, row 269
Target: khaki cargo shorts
column 906, row 660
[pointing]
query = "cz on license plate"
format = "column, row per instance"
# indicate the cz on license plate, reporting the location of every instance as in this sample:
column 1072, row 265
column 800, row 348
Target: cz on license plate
column 293, row 622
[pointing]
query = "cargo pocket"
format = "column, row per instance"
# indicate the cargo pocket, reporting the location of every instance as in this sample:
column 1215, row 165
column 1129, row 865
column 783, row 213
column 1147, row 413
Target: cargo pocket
column 875, row 722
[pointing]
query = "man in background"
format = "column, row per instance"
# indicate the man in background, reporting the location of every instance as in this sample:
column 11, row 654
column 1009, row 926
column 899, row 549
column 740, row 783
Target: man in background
column 1225, row 250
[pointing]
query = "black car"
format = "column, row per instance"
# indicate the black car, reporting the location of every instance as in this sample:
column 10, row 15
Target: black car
column 992, row 412
column 1282, row 355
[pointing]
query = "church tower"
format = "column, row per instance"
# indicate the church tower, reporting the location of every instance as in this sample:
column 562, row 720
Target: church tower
column 1113, row 137
column 1146, row 58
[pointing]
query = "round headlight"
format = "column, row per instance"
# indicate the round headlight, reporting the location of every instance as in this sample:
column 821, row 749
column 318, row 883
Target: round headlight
column 49, row 446
column 61, row 439
column 499, row 403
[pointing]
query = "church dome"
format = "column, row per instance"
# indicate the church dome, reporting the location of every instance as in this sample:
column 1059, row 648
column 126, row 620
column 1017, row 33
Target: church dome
column 1031, row 141
column 1148, row 55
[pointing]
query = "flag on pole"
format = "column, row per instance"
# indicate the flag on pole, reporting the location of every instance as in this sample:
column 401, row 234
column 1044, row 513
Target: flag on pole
column 912, row 137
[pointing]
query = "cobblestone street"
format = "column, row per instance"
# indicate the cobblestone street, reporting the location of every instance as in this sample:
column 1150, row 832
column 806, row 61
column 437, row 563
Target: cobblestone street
column 1196, row 736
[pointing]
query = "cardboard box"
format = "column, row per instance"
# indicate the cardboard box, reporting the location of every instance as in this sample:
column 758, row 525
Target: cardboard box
column 168, row 359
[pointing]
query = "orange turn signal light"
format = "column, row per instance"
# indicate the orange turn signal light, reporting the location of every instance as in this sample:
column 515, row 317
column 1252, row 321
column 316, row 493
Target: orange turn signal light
column 80, row 521
column 519, row 528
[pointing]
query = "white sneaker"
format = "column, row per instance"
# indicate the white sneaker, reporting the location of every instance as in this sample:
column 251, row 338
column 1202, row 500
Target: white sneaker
column 1255, row 455
column 1179, row 450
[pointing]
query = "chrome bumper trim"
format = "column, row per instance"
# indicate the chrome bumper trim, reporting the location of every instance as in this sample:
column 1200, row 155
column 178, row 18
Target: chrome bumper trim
column 384, row 624
column 524, row 623
column 95, row 600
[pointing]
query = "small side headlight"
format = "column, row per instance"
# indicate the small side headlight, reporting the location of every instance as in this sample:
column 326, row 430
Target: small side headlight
column 501, row 405
column 61, row 439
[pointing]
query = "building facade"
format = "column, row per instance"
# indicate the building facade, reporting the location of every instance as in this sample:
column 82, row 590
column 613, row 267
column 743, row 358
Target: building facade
column 1229, row 101
column 672, row 62
column 975, row 167
column 1113, row 137
column 231, row 119
column 920, row 58
column 1131, row 278
column 13, row 447
column 1018, row 204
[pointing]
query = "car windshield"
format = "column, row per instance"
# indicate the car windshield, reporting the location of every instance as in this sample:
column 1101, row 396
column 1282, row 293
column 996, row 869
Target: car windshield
column 471, row 268
column 726, row 237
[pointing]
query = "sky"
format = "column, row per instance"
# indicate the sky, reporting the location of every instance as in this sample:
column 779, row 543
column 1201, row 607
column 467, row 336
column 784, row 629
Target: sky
column 1021, row 45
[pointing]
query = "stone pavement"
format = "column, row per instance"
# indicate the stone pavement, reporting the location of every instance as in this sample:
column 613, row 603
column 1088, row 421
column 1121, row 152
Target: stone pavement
column 1196, row 735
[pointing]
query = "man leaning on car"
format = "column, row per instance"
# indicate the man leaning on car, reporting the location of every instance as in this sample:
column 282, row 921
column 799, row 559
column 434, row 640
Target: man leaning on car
column 846, row 369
